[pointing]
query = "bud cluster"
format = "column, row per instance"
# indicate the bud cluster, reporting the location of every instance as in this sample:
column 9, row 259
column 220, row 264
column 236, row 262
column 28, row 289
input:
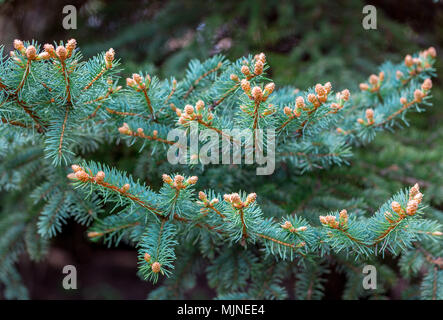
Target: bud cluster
column 109, row 57
column 235, row 200
column 415, row 198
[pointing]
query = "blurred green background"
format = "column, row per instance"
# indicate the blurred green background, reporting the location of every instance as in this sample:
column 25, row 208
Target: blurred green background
column 306, row 42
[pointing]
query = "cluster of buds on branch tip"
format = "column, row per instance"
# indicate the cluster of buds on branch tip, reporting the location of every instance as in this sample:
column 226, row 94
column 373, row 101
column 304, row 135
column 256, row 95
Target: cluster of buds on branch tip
column 78, row 174
column 137, row 82
column 109, row 57
column 81, row 175
column 321, row 94
column 330, row 221
column 155, row 266
column 256, row 93
column 29, row 52
column 260, row 60
column 342, row 97
column 179, row 182
column 62, row 53
column 126, row 130
column 190, row 113
column 235, row 200
column 288, row 226
column 369, row 113
column 205, row 201
column 375, row 82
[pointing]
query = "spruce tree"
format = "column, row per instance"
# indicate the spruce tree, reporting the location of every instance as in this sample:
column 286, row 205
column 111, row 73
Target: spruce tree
column 202, row 218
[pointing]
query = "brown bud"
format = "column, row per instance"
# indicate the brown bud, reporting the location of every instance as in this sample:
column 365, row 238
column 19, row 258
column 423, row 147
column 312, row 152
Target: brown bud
column 31, row 53
column 245, row 70
column 251, row 198
column 70, row 46
column 234, row 77
column 287, row 111
column 427, row 85
column 418, row 95
column 246, row 86
column 320, row 90
column 287, row 225
column 200, row 105
column 82, row 175
column 300, row 102
column 328, row 87
column 167, row 179
column 130, row 82
column 258, row 68
column 18, row 45
column 364, row 86
column 432, row 52
column 269, row 88
column 109, row 57
column 189, row 109
column 257, row 94
column 396, row 207
column 178, row 179
column 192, row 180
column 373, row 79
column 72, row 176
column 147, row 257
column 345, row 94
column 44, row 56
column 202, row 196
column 412, row 207
column 125, row 188
column 137, row 78
column 76, row 168
column 94, row 234
column 370, row 115
column 61, row 53
column 100, row 176
column 408, row 61
column 418, row 197
column 312, row 98
column 49, row 48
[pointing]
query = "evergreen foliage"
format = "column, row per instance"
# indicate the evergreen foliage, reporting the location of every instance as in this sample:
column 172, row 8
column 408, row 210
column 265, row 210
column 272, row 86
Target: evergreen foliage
column 58, row 109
